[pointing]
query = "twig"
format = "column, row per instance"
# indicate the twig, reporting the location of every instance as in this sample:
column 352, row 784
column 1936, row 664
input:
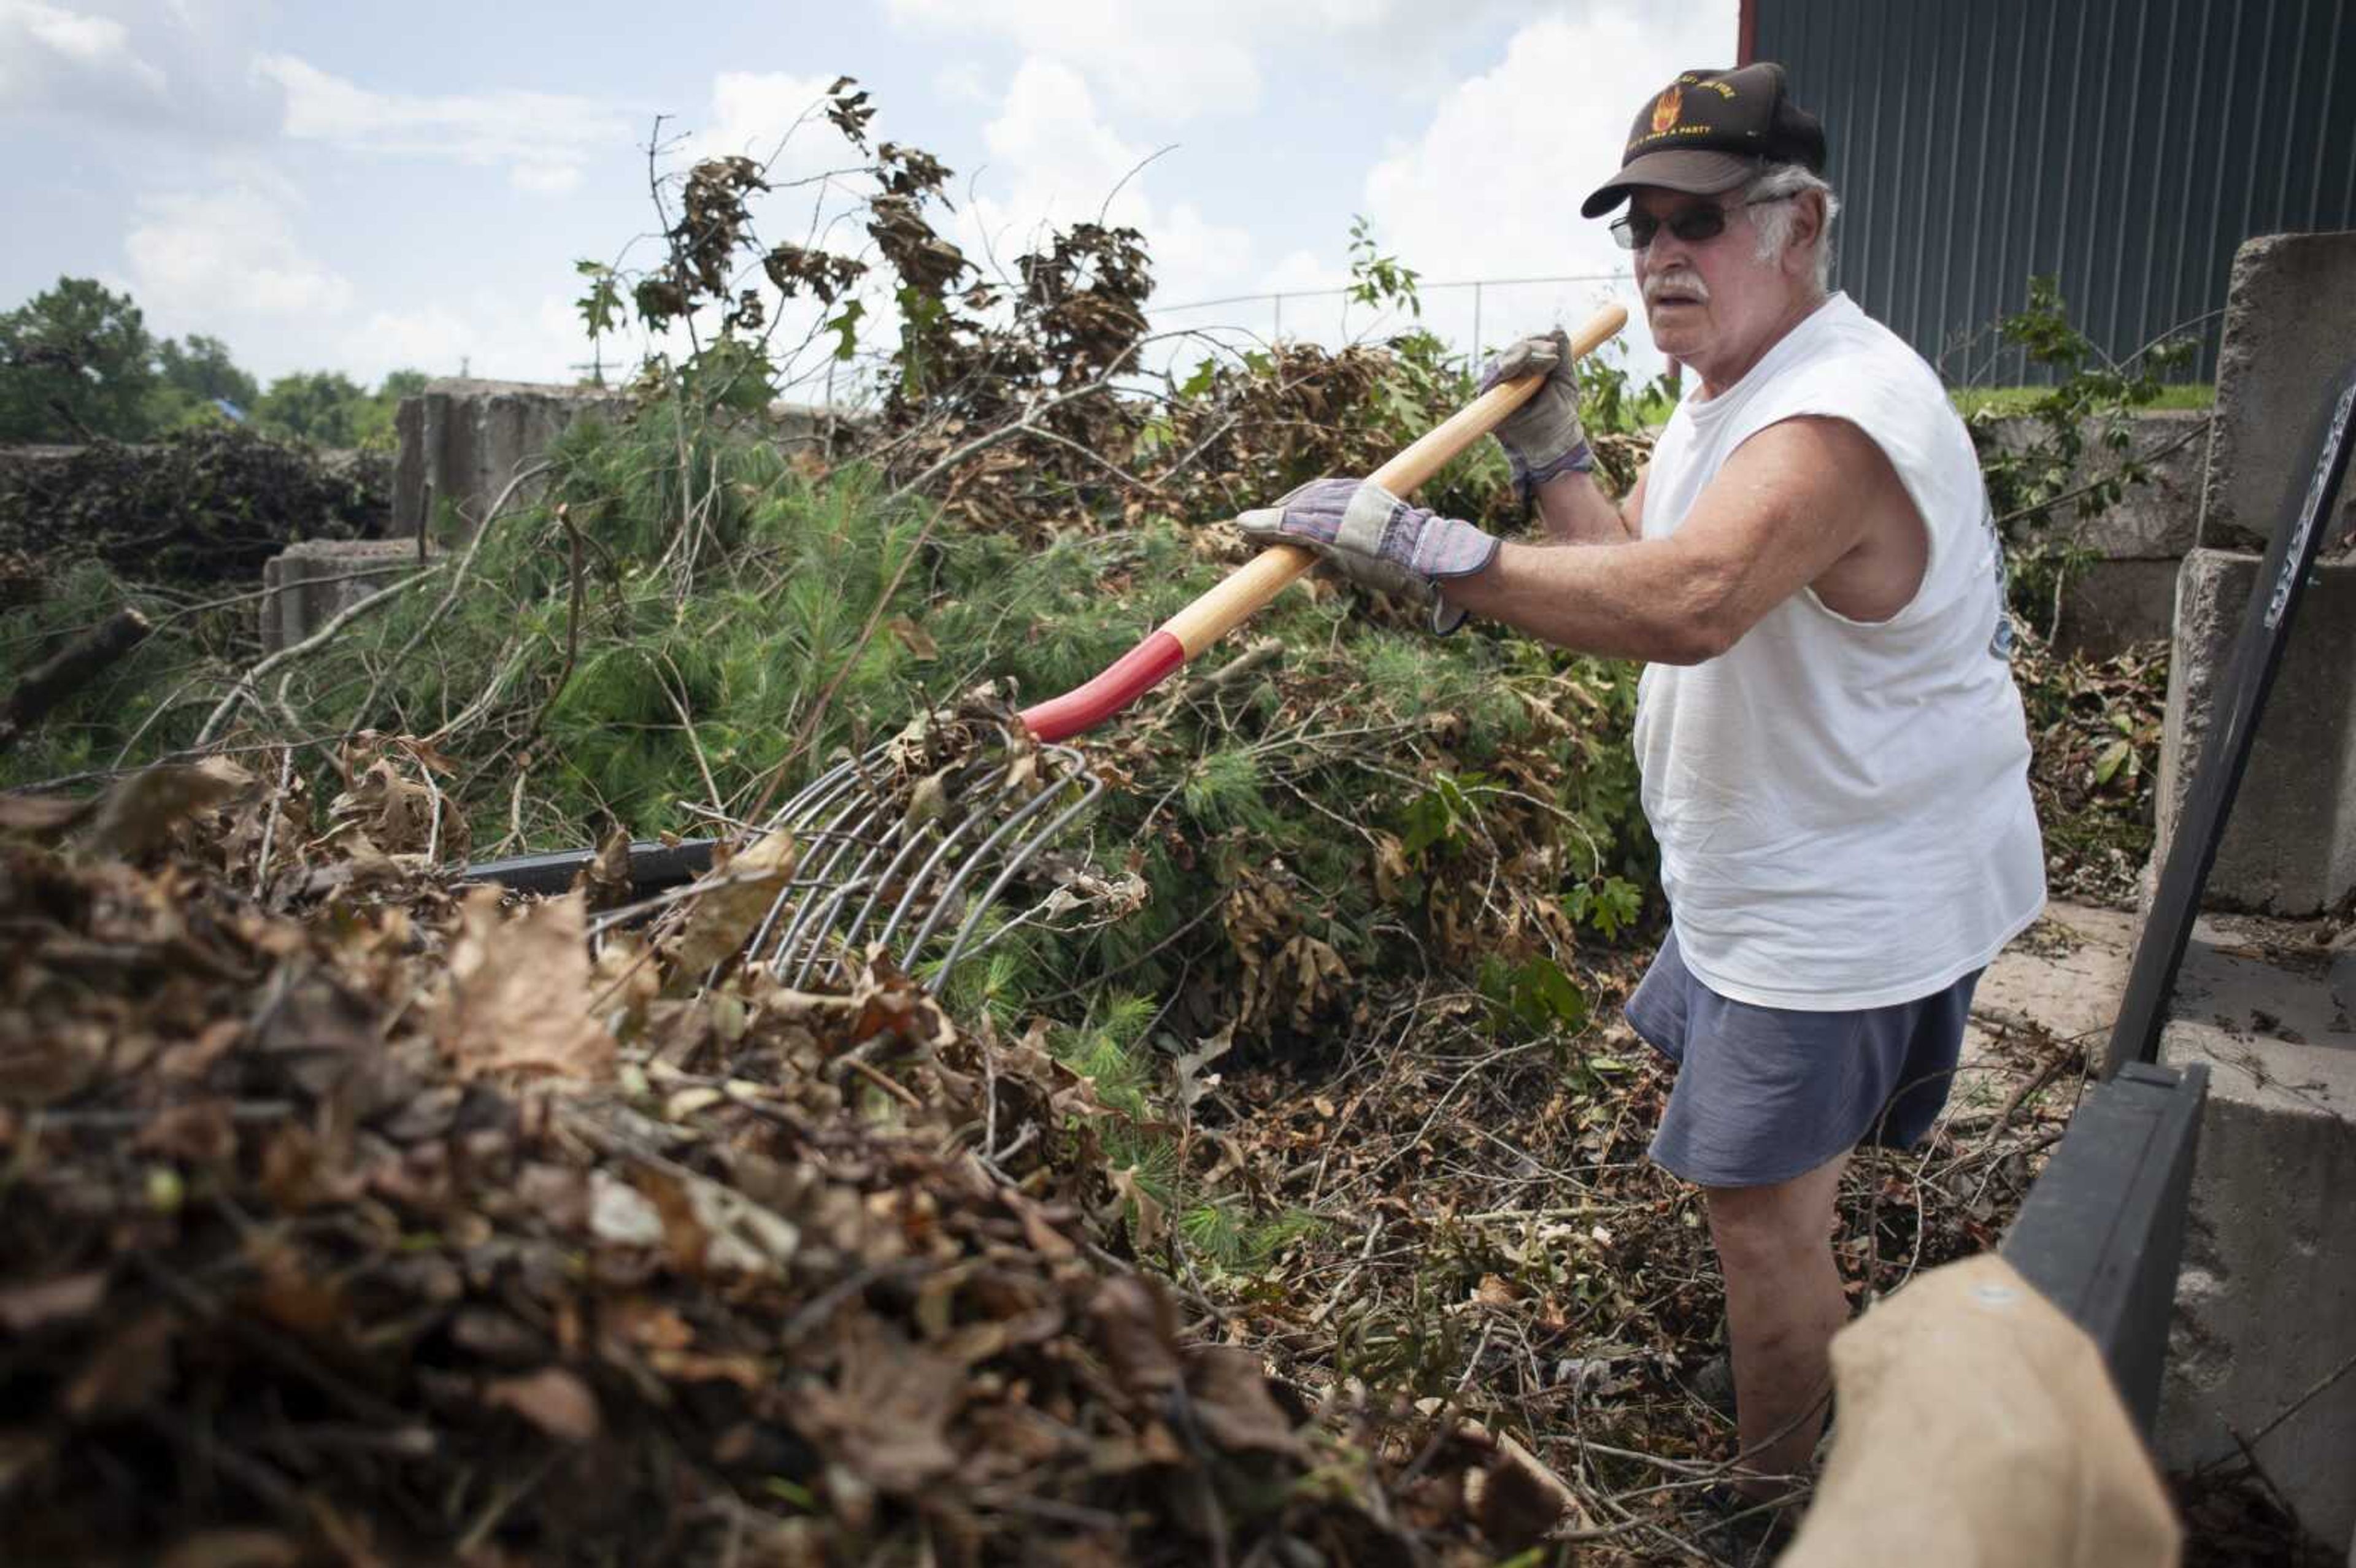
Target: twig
column 242, row 689
column 270, row 821
column 572, row 624
column 69, row 670
column 2154, row 455
column 466, row 564
column 2295, row 1406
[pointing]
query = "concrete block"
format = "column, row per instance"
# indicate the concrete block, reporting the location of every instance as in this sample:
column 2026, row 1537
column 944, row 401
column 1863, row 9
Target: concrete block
column 2289, row 847
column 2266, row 1302
column 2290, row 335
column 462, row 441
column 307, row 584
column 2154, row 519
column 2116, row 603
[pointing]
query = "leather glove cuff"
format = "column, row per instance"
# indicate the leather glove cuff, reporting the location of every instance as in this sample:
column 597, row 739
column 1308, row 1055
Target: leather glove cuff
column 1579, row 459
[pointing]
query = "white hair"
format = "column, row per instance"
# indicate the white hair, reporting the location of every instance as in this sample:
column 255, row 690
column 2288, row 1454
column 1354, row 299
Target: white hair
column 1770, row 195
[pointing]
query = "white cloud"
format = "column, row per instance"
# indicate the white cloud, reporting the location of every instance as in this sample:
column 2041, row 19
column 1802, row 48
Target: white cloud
column 961, row 81
column 1492, row 188
column 51, row 58
column 1211, row 57
column 226, row 254
column 1053, row 162
column 1176, row 60
column 544, row 139
column 769, row 115
column 486, row 336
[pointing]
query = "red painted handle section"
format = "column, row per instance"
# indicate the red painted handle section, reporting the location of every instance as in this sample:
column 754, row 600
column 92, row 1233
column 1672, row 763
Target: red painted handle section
column 1125, row 680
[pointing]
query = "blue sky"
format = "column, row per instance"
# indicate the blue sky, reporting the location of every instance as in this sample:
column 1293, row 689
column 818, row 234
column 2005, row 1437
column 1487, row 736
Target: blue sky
column 339, row 186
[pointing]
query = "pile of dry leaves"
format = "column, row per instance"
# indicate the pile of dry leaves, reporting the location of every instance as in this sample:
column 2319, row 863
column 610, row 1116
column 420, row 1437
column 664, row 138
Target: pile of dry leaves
column 350, row 1221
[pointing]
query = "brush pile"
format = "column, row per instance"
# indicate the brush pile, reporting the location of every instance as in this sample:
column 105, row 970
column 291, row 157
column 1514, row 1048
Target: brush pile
column 376, row 1224
column 206, row 504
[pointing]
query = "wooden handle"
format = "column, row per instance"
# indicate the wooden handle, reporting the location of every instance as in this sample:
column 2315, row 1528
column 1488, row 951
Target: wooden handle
column 1242, row 593
column 1246, row 591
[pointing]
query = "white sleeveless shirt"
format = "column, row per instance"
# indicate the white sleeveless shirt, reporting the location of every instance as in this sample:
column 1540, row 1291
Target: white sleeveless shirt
column 1843, row 808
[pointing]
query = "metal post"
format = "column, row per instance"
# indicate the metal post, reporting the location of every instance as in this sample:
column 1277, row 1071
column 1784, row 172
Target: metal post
column 1278, row 331
column 1476, row 326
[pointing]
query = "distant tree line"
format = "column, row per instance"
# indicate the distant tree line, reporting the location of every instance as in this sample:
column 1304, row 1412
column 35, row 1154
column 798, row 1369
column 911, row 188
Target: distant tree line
column 78, row 363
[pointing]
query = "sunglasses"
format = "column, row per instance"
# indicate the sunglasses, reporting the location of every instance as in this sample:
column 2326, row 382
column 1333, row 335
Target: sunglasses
column 1694, row 225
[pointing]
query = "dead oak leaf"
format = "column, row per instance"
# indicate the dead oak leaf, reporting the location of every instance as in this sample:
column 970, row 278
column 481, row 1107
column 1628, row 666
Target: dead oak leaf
column 26, row 1308
column 734, row 900
column 552, row 1398
column 519, row 992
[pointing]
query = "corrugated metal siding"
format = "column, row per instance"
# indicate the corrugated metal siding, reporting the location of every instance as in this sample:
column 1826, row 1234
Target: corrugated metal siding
column 2125, row 145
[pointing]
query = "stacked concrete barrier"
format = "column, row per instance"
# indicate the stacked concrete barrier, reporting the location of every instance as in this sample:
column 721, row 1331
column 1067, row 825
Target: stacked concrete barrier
column 2127, row 592
column 308, row 583
column 2265, row 1323
column 2290, row 333
column 462, row 442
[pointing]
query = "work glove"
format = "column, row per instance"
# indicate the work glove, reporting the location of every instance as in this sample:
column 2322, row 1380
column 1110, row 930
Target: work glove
column 1542, row 438
column 1377, row 540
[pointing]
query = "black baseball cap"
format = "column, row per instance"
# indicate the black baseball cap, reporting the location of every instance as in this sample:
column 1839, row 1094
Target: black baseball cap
column 1709, row 130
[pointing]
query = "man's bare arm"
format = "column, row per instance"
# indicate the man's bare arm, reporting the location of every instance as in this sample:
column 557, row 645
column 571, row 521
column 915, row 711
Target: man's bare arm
column 1573, row 509
column 1790, row 502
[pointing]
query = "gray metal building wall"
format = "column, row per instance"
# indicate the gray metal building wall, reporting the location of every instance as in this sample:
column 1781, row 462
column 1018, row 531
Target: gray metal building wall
column 2125, row 145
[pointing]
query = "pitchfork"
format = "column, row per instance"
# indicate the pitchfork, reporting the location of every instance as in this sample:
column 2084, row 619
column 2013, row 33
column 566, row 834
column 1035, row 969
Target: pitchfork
column 870, row 861
column 877, row 856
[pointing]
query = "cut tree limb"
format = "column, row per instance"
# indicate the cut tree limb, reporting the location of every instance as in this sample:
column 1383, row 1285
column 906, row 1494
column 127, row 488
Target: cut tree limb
column 70, row 669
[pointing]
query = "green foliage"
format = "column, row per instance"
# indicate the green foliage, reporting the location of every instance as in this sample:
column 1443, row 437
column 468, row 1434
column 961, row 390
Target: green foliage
column 319, row 406
column 1377, row 279
column 2079, row 453
column 1610, row 904
column 1443, row 815
column 194, row 376
column 1533, row 997
column 76, row 364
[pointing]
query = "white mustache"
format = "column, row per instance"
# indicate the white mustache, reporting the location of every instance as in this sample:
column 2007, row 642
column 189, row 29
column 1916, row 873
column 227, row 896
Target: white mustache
column 1686, row 282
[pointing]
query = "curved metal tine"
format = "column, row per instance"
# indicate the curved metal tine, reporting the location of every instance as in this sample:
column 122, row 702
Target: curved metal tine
column 910, row 844
column 1030, row 808
column 813, row 937
column 805, row 801
column 843, row 791
column 821, row 888
column 911, row 887
column 923, row 879
column 1015, row 861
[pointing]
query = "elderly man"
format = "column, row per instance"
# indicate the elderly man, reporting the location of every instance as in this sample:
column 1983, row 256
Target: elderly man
column 1834, row 755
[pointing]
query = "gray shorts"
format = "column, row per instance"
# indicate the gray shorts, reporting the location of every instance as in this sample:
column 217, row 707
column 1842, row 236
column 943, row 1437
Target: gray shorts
column 1763, row 1094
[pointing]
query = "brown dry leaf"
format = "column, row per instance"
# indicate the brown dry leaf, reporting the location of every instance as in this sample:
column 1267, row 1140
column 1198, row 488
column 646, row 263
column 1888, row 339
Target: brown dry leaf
column 39, row 813
column 141, row 812
column 394, row 813
column 520, row 990
column 27, row 1307
column 1192, row 1081
column 1153, row 1219
column 1232, row 1402
column 733, row 903
column 887, row 1420
column 1136, row 1330
column 199, row 1132
column 552, row 1398
column 131, row 1368
column 604, row 881
column 235, row 1549
column 1391, row 867
column 914, row 638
